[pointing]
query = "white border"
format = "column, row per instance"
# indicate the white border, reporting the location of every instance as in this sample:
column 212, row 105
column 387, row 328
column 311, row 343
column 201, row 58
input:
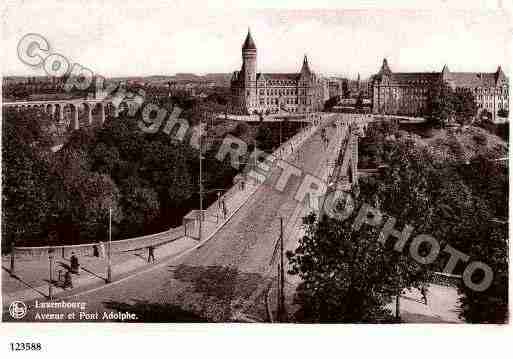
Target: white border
column 257, row 341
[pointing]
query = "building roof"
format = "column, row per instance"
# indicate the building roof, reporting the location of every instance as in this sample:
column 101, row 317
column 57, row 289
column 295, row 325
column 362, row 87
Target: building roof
column 279, row 76
column 454, row 79
column 471, row 79
column 406, row 78
column 249, row 44
column 305, row 69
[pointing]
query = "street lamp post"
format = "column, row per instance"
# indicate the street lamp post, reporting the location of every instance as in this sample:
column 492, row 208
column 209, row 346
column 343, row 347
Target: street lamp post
column 218, row 205
column 50, row 284
column 200, row 180
column 13, row 254
column 12, row 258
column 109, row 262
column 282, row 274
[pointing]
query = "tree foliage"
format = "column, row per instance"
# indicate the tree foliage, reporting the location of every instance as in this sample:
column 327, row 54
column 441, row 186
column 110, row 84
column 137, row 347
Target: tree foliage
column 446, row 105
column 331, row 102
column 490, row 306
column 461, row 203
column 347, row 276
column 25, row 172
column 148, row 180
column 458, row 203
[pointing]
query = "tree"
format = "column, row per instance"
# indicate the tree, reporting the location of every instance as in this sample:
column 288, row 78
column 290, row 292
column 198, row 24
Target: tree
column 264, row 138
column 458, row 203
column 465, row 106
column 345, row 89
column 491, row 305
column 347, row 276
column 359, row 101
column 140, row 205
column 333, row 101
column 83, row 200
column 445, row 105
column 439, row 107
column 26, row 179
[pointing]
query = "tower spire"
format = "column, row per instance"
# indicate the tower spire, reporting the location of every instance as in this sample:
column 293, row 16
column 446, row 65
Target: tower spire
column 384, row 68
column 305, row 69
column 499, row 75
column 249, row 44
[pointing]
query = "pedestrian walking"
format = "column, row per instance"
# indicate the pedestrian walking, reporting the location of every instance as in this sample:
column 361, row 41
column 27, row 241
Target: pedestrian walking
column 101, row 250
column 68, row 281
column 223, row 204
column 75, row 266
column 423, row 292
column 219, row 205
column 151, row 254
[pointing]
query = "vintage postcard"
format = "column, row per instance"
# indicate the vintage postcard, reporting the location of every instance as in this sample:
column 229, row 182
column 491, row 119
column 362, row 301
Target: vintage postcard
column 167, row 163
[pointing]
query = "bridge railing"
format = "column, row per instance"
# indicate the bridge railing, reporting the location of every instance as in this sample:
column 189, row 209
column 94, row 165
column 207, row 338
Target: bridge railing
column 118, row 246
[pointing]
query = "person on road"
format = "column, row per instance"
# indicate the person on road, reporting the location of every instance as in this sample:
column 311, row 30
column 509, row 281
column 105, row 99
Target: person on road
column 423, row 292
column 75, row 266
column 219, row 206
column 151, row 254
column 223, row 205
column 68, row 281
column 101, row 250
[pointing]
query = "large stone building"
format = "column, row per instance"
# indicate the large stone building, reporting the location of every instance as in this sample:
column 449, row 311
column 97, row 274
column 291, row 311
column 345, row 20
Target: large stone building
column 256, row 92
column 406, row 93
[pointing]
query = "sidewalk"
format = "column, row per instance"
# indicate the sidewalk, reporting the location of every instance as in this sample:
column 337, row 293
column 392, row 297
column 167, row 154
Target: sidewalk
column 442, row 305
column 32, row 275
column 295, row 230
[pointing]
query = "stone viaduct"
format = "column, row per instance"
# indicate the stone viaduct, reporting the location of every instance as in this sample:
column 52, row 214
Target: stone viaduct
column 70, row 111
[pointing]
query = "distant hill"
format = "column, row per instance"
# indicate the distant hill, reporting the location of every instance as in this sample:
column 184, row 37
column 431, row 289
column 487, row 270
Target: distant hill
column 187, row 77
column 221, row 79
column 218, row 77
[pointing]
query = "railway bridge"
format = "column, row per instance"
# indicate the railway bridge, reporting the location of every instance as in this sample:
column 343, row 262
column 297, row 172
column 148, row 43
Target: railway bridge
column 70, row 111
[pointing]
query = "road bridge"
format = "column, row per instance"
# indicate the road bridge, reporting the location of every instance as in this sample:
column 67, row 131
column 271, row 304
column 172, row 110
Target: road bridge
column 228, row 275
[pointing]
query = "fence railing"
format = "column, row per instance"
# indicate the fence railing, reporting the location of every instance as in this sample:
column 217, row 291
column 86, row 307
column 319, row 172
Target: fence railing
column 87, row 249
column 445, row 279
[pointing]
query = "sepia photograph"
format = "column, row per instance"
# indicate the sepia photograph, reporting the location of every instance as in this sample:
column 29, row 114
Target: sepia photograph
column 173, row 162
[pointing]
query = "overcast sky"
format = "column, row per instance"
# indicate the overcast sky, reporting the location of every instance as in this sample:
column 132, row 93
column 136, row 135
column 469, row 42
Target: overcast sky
column 116, row 38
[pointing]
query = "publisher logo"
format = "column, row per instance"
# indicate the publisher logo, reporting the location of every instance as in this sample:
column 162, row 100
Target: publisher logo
column 18, row 309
